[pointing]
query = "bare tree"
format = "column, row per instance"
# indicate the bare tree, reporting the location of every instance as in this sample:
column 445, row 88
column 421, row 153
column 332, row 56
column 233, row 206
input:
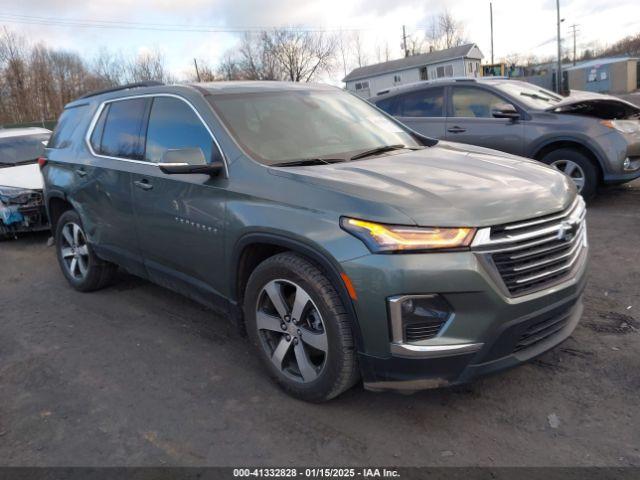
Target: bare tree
column 444, row 31
column 147, row 66
column 229, row 68
column 301, row 56
column 110, row 67
column 358, row 48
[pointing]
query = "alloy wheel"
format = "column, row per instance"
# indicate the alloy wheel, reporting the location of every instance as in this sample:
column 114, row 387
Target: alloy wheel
column 74, row 250
column 291, row 330
column 573, row 170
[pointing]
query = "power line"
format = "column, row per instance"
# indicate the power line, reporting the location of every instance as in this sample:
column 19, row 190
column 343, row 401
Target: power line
column 127, row 25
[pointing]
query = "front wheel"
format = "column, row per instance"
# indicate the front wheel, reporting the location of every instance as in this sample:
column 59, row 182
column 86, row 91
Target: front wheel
column 300, row 328
column 576, row 166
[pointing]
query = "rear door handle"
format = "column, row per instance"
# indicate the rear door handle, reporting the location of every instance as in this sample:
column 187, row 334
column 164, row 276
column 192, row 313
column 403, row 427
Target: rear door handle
column 143, row 184
column 456, row 130
column 81, row 172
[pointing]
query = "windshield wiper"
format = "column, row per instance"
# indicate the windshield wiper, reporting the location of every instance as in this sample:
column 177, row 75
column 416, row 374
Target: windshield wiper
column 377, row 150
column 309, row 161
column 536, row 96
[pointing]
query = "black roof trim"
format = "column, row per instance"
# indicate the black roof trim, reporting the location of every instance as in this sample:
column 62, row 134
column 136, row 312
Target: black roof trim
column 149, row 83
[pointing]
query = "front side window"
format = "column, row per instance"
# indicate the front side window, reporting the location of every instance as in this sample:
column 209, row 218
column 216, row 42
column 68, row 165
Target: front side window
column 118, row 134
column 277, row 127
column 474, row 102
column 174, row 125
column 423, row 103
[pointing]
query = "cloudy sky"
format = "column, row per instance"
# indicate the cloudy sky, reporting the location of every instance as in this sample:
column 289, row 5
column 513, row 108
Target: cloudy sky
column 520, row 26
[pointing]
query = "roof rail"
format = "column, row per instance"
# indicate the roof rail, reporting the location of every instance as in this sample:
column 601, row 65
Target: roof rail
column 148, row 83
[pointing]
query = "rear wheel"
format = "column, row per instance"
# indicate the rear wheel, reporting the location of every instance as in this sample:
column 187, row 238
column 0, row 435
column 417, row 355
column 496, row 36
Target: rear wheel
column 300, row 328
column 82, row 268
column 576, row 166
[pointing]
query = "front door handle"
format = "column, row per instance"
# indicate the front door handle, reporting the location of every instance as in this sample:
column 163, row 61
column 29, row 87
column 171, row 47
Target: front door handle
column 81, row 172
column 143, row 184
column 456, row 129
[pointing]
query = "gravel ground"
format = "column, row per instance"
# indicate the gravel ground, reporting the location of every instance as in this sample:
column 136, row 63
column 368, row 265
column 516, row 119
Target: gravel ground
column 136, row 375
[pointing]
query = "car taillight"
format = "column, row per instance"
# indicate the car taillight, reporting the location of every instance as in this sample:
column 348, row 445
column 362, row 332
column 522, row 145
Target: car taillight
column 42, row 161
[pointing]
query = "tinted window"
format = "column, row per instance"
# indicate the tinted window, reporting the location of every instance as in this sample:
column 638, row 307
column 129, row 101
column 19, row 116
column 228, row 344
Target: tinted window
column 388, row 105
column 423, row 103
column 121, row 135
column 173, row 125
column 96, row 135
column 66, row 126
column 21, row 148
column 474, row 102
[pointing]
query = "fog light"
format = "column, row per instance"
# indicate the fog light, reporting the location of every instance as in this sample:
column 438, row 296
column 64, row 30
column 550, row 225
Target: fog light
column 417, row 317
column 626, row 164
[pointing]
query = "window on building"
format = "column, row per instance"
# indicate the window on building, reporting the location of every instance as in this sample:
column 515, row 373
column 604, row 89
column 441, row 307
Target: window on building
column 470, row 102
column 444, row 71
column 362, row 85
column 118, row 132
column 397, row 79
column 422, row 103
column 424, row 75
column 174, row 125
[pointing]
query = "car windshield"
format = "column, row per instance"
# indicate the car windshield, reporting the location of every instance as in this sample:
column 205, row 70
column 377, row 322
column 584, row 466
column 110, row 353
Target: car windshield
column 529, row 94
column 287, row 126
column 21, row 149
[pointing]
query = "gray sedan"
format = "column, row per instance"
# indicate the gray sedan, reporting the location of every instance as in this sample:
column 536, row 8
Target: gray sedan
column 593, row 138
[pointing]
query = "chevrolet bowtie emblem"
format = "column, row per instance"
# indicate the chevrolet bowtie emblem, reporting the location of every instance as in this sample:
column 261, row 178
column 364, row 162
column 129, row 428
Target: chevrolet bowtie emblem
column 567, row 231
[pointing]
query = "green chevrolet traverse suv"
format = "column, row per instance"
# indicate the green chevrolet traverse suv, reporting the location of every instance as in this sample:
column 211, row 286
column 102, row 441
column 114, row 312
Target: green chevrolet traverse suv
column 346, row 245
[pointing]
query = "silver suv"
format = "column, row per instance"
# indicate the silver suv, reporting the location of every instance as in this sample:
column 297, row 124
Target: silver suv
column 593, row 138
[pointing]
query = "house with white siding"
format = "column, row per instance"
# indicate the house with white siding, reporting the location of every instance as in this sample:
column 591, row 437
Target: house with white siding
column 462, row 61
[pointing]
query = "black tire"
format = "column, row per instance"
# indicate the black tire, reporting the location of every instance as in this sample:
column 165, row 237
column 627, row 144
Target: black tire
column 98, row 273
column 587, row 166
column 339, row 371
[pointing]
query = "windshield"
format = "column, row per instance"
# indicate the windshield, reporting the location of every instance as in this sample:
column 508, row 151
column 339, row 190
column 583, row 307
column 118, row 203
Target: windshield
column 21, row 149
column 529, row 94
column 278, row 127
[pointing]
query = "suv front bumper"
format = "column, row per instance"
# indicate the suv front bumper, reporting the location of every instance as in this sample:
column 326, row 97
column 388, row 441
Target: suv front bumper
column 489, row 332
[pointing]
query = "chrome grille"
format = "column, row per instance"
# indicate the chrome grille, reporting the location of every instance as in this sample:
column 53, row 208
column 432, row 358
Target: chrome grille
column 534, row 254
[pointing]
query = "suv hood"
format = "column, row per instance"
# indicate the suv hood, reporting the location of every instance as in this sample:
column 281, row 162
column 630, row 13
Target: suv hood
column 605, row 107
column 446, row 185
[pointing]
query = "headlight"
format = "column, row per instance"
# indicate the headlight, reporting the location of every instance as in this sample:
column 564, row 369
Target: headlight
column 16, row 195
column 396, row 238
column 623, row 126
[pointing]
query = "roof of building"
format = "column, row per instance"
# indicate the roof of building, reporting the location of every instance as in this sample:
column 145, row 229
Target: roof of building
column 410, row 62
column 598, row 61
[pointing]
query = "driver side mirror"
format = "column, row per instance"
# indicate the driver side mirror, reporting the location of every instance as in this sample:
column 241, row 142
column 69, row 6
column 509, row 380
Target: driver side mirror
column 188, row 160
column 505, row 110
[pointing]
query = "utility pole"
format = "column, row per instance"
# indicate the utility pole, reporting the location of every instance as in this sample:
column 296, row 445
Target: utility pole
column 574, row 27
column 491, row 19
column 559, row 69
column 404, row 41
column 195, row 63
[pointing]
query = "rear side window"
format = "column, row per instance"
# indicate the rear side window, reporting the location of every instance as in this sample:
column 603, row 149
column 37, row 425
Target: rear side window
column 174, row 125
column 388, row 105
column 118, row 130
column 66, row 127
column 422, row 103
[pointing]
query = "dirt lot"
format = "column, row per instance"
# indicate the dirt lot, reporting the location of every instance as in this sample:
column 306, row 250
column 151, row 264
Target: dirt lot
column 135, row 375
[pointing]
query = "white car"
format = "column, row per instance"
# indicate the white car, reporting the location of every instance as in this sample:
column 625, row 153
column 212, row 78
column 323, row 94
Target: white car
column 21, row 205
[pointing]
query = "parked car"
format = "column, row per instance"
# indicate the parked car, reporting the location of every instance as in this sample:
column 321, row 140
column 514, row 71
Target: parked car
column 593, row 138
column 347, row 246
column 21, row 202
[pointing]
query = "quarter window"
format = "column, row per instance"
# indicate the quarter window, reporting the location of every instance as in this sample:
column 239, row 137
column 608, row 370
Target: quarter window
column 423, row 103
column 474, row 102
column 118, row 131
column 174, row 125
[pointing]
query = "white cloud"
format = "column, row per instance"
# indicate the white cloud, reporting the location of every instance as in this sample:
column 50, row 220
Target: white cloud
column 524, row 26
